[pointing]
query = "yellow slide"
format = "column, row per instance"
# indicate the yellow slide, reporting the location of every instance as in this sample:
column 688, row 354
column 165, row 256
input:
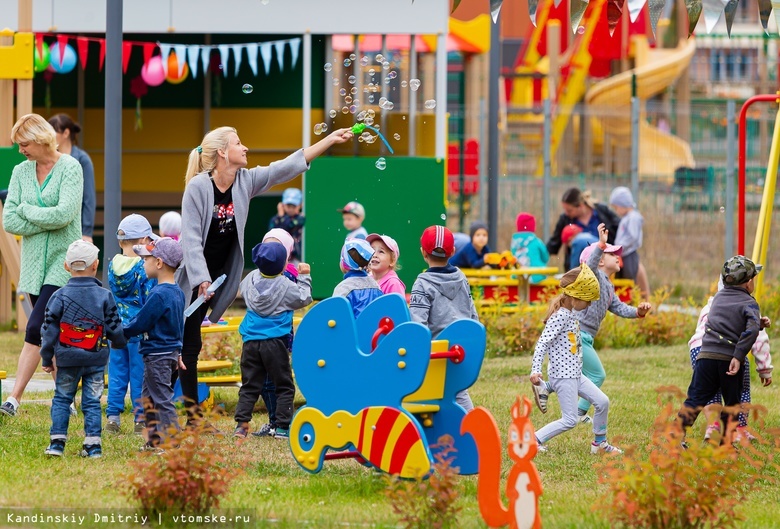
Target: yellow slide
column 660, row 153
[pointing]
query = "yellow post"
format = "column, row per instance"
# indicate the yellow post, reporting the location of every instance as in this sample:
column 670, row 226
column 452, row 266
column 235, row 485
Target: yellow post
column 761, row 243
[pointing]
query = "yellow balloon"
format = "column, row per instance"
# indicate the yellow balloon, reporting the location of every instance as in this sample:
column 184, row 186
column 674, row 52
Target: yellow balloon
column 173, row 76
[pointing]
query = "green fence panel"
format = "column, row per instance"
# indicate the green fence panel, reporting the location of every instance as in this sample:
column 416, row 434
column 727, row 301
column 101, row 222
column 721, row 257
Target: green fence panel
column 401, row 201
column 9, row 158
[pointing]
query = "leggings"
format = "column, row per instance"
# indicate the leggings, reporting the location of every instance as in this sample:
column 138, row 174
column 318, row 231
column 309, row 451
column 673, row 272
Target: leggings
column 32, row 334
column 591, row 367
column 191, row 346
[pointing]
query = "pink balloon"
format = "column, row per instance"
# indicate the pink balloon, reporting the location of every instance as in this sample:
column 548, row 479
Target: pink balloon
column 152, row 72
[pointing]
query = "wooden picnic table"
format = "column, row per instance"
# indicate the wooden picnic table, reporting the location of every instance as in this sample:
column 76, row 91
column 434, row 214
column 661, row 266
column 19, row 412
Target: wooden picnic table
column 512, row 277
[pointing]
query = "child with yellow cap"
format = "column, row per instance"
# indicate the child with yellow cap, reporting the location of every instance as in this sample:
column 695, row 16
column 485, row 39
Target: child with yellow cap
column 560, row 341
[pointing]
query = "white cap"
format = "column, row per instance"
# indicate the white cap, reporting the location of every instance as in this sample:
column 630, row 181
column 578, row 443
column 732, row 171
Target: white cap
column 81, row 254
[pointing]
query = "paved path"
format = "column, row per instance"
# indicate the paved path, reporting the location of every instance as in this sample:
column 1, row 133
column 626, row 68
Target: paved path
column 39, row 382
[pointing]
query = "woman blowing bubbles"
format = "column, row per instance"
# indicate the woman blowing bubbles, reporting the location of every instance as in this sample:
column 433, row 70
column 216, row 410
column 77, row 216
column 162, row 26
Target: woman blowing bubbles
column 215, row 206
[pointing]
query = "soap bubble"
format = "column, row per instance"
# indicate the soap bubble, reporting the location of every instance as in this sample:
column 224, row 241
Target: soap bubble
column 345, row 110
column 353, row 90
column 352, row 79
column 352, row 56
column 347, row 63
column 362, row 115
column 318, row 129
column 369, row 120
column 348, row 99
column 381, row 164
column 247, row 88
column 430, row 104
column 370, row 139
column 387, row 80
column 443, row 216
column 371, row 71
column 343, row 92
column 385, row 65
column 392, row 75
column 379, row 58
column 722, row 209
column 396, row 136
column 404, row 84
column 335, row 81
column 352, row 109
column 332, row 113
column 371, row 113
column 382, row 101
column 581, row 30
column 414, row 84
column 371, row 98
column 328, row 67
column 364, row 60
column 365, row 135
column 356, row 102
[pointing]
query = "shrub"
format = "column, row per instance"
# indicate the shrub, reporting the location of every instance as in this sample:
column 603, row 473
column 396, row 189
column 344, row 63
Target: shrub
column 515, row 334
column 428, row 502
column 190, row 476
column 671, row 487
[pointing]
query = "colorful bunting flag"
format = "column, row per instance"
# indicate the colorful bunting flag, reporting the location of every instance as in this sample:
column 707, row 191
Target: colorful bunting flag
column 127, row 51
column 224, row 56
column 181, row 55
column 192, row 59
column 295, row 48
column 266, row 49
column 251, row 53
column 237, row 56
column 165, row 50
column 82, row 44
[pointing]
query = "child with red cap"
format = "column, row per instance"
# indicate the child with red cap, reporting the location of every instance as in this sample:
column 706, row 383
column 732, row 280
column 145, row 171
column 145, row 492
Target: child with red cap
column 441, row 294
column 528, row 249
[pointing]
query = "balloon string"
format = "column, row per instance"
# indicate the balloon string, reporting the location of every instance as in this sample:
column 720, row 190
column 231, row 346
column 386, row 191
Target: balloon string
column 381, row 137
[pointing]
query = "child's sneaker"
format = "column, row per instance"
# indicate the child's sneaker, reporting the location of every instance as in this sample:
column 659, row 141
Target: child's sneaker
column 265, row 431
column 540, row 396
column 149, row 447
column 540, row 447
column 282, row 433
column 712, row 429
column 56, row 448
column 605, row 447
column 139, row 428
column 8, row 409
column 741, row 432
column 91, row 451
column 113, row 427
column 241, row 431
column 585, row 419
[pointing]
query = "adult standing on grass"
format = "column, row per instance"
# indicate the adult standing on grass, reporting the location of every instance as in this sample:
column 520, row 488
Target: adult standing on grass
column 67, row 130
column 579, row 209
column 215, row 206
column 44, row 207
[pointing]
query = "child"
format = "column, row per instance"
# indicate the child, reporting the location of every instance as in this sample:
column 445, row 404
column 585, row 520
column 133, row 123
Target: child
column 353, row 215
column 604, row 260
column 290, row 219
column 78, row 319
column 528, row 249
column 441, row 294
column 733, row 324
column 629, row 236
column 170, row 225
column 358, row 287
column 130, row 287
column 270, row 300
column 560, row 341
column 161, row 322
column 472, row 255
column 285, row 239
column 384, row 263
column 764, row 367
column 577, row 240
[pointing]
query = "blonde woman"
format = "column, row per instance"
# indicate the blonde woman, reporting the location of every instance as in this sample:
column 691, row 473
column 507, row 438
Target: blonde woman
column 44, row 207
column 215, row 206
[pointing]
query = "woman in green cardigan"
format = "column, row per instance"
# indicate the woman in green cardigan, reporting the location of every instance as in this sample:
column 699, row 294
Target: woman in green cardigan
column 44, row 207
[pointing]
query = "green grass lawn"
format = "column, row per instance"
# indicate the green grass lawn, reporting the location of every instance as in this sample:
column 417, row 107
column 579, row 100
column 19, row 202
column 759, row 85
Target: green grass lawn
column 273, row 487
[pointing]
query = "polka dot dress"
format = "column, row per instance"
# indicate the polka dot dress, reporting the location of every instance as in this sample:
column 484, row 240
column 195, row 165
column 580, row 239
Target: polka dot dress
column 560, row 341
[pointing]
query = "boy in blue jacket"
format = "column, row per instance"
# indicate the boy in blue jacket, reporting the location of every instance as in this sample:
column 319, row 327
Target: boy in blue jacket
column 472, row 255
column 161, row 322
column 79, row 319
column 358, row 287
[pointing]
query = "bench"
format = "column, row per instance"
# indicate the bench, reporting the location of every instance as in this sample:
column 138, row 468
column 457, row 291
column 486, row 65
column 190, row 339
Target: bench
column 510, row 288
column 548, row 288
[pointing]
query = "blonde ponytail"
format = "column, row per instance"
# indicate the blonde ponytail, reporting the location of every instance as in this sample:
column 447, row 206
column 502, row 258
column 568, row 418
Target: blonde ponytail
column 203, row 158
column 557, row 302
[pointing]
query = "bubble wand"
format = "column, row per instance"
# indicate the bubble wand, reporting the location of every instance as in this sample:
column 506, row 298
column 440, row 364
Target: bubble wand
column 358, row 129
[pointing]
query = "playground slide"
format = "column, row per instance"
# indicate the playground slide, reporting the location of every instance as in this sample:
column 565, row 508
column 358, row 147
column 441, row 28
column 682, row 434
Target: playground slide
column 660, row 153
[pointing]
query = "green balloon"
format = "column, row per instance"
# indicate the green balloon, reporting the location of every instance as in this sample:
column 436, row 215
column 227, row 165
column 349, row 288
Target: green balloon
column 41, row 63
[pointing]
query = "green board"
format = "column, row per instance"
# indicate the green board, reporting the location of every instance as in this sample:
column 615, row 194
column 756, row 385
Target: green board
column 9, row 158
column 400, row 201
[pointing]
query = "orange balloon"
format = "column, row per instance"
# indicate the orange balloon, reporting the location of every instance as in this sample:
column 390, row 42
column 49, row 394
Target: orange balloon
column 173, row 76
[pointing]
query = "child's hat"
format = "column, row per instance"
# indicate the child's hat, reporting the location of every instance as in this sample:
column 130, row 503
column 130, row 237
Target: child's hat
column 526, row 222
column 285, row 238
column 356, row 254
column 134, row 226
column 356, row 208
column 389, row 242
column 170, row 224
column 438, row 241
column 81, row 255
column 293, row 196
column 569, row 232
column 585, row 287
column 475, row 226
column 621, row 196
column 588, row 251
column 270, row 258
column 165, row 248
column 739, row 269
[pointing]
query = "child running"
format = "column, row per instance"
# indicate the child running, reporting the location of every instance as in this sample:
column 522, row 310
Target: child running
column 560, row 341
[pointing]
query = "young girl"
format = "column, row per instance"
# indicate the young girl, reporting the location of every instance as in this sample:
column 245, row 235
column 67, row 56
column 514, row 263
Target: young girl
column 763, row 366
column 384, row 263
column 560, row 341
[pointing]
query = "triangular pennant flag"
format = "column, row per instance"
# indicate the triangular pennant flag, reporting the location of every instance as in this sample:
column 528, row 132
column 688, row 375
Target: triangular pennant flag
column 656, row 8
column 127, row 50
column 266, row 49
column 251, row 54
column 205, row 57
column 148, row 48
column 181, row 57
column 693, row 7
column 224, row 55
column 82, row 44
column 280, row 54
column 39, row 44
column 192, row 59
column 731, row 12
column 62, row 41
column 238, row 50
column 776, row 9
column 614, row 13
column 577, row 9
column 764, row 10
column 165, row 50
column 712, row 12
column 495, row 8
column 634, row 8
column 295, row 48
column 532, row 8
column 102, row 53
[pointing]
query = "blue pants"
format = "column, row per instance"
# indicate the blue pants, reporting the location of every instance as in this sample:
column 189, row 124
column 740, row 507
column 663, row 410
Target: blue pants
column 718, row 398
column 66, row 384
column 161, row 417
column 591, row 367
column 125, row 367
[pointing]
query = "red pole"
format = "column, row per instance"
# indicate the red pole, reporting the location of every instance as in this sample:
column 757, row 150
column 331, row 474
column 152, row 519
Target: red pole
column 742, row 164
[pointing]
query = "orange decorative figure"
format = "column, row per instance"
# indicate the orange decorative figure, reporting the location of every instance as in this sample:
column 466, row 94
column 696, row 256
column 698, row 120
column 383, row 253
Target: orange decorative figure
column 524, row 486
